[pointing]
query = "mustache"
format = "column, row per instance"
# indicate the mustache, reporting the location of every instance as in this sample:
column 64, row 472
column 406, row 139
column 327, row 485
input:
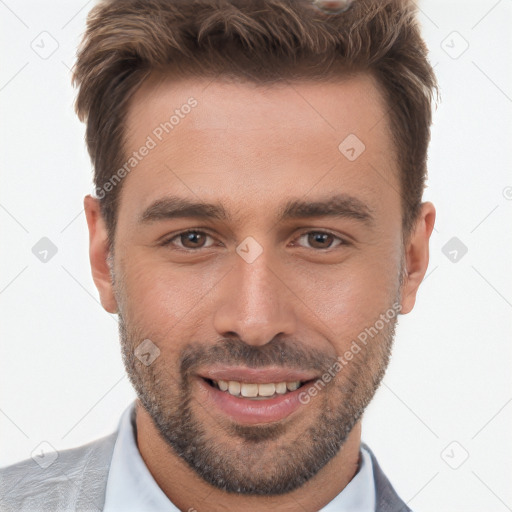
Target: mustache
column 235, row 352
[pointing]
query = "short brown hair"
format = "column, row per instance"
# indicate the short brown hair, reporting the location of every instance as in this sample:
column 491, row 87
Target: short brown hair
column 263, row 41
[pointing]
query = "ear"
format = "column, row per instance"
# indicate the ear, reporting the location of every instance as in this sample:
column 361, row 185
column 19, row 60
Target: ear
column 417, row 256
column 99, row 252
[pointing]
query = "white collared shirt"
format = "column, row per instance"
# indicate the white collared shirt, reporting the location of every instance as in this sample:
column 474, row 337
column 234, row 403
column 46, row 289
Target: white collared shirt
column 132, row 488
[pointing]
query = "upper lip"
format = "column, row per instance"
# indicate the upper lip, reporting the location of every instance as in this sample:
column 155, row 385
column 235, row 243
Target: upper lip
column 255, row 375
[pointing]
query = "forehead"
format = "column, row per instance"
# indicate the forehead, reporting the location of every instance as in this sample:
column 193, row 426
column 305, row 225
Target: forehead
column 335, row 105
column 222, row 140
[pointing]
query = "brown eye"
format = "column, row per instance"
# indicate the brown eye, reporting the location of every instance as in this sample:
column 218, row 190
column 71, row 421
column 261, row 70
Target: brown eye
column 194, row 238
column 321, row 239
column 189, row 240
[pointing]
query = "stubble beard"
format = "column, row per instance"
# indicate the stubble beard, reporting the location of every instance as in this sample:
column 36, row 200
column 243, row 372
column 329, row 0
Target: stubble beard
column 271, row 459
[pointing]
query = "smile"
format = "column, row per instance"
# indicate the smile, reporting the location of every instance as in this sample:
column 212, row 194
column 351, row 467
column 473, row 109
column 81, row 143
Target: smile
column 252, row 403
column 263, row 391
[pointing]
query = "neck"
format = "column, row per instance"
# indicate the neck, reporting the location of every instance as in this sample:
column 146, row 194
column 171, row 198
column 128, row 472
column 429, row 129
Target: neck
column 189, row 492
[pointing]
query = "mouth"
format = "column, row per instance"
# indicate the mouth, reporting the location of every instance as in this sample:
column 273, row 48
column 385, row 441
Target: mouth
column 256, row 391
column 250, row 396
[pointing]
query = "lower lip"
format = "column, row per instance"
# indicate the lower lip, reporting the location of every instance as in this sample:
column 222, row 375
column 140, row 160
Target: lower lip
column 251, row 412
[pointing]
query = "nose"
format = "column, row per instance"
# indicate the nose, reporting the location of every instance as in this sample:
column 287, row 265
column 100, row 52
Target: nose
column 254, row 302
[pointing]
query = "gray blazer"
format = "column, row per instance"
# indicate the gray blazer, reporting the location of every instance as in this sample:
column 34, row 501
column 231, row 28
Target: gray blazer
column 77, row 479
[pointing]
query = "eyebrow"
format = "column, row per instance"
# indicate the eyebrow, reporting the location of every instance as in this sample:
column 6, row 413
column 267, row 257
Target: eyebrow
column 337, row 206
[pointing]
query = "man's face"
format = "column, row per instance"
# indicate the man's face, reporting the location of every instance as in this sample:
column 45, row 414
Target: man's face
column 250, row 296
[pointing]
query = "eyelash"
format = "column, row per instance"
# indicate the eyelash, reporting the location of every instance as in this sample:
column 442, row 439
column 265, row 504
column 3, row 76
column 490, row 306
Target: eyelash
column 169, row 241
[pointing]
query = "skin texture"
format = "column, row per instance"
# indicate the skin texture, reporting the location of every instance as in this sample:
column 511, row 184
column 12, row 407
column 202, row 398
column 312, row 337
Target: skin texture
column 299, row 304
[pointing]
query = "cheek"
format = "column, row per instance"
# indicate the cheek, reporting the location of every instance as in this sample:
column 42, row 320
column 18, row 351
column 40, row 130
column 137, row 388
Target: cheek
column 162, row 299
column 353, row 296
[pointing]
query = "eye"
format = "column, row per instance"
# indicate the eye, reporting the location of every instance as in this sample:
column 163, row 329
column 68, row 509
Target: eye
column 192, row 239
column 189, row 240
column 321, row 239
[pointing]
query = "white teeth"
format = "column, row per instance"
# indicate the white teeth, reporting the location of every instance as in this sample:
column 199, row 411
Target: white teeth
column 234, row 387
column 266, row 389
column 249, row 390
column 281, row 388
column 256, row 391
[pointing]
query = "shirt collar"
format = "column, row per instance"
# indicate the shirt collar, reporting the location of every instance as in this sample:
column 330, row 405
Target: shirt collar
column 132, row 488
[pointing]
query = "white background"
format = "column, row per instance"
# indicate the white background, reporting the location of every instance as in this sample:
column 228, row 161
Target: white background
column 61, row 375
